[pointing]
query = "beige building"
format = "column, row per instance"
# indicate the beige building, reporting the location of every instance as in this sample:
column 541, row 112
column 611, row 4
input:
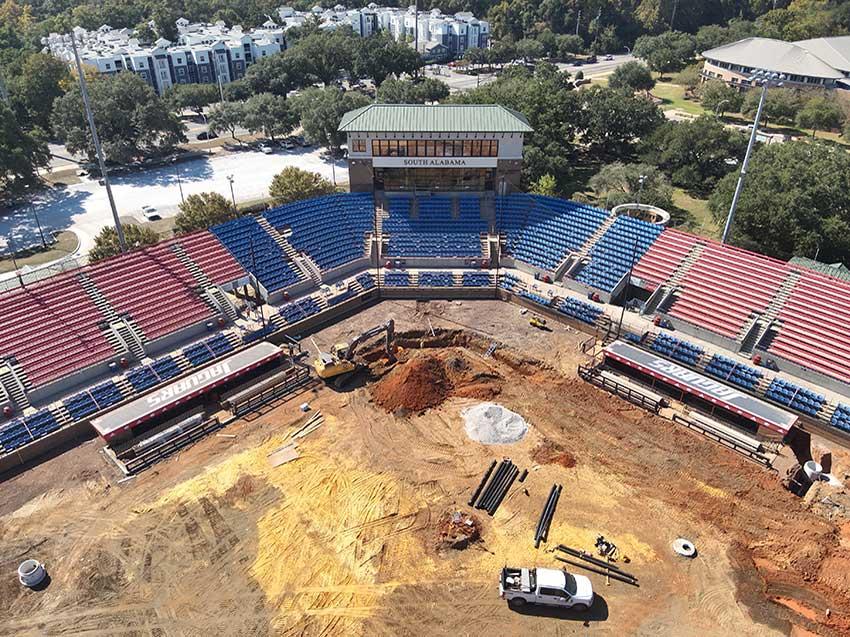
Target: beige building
column 820, row 63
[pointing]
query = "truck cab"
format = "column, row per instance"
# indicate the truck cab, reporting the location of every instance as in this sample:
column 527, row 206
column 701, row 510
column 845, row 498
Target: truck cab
column 545, row 586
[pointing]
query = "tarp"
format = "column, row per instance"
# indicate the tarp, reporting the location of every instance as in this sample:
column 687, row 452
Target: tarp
column 168, row 396
column 710, row 389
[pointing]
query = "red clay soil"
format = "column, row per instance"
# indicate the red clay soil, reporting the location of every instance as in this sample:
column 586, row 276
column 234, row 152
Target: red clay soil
column 414, row 385
column 548, row 452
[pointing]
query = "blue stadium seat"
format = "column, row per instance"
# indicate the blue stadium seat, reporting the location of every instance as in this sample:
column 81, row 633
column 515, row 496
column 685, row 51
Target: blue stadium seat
column 142, row 378
column 165, row 368
column 541, row 231
column 14, row 434
column 257, row 252
column 366, row 280
column 219, row 344
column 476, row 279
column 795, row 397
column 434, row 233
column 841, row 418
column 536, row 298
column 578, row 310
column 198, row 354
column 106, row 394
column 331, row 229
column 677, row 349
column 436, row 280
column 300, row 310
column 396, row 279
column 80, row 405
column 734, row 372
column 621, row 247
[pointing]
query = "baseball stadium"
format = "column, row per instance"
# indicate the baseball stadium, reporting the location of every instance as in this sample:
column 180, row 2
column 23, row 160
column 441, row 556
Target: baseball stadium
column 264, row 427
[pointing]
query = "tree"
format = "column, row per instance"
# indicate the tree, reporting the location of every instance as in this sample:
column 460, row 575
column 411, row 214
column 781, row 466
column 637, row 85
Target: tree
column 568, row 45
column 619, row 183
column 237, row 91
column 633, row 76
column 270, row 114
column 529, row 49
column 689, row 77
column 611, row 120
column 379, row 56
column 203, row 210
column 21, row 154
column 717, row 96
column 409, row 92
column 796, row 201
column 195, row 97
column 326, row 54
column 293, row 184
column 321, row 110
column 33, row 91
column 226, row 116
column 695, row 154
column 106, row 241
column 781, row 104
column 546, row 185
column 667, row 52
column 278, row 74
column 131, row 119
column 820, row 113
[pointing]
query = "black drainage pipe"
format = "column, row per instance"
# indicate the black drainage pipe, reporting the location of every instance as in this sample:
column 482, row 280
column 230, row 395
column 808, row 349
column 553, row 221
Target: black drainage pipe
column 481, row 484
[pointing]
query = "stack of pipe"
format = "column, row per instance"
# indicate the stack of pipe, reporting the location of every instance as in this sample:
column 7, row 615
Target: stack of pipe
column 542, row 532
column 490, row 497
column 595, row 565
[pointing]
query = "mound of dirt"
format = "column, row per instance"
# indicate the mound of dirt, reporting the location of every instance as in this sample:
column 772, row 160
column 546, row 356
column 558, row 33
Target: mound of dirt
column 493, row 424
column 548, row 452
column 457, row 530
column 415, row 385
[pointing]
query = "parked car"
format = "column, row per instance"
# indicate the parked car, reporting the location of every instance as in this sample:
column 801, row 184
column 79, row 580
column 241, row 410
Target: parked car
column 150, row 213
column 287, row 145
column 609, row 57
column 545, row 586
column 266, row 149
column 204, row 135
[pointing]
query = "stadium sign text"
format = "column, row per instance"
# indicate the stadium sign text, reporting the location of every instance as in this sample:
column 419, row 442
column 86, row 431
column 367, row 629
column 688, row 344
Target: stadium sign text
column 175, row 390
column 434, row 162
column 718, row 390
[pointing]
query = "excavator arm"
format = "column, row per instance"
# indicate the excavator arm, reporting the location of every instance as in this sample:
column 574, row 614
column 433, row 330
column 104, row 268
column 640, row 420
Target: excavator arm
column 388, row 327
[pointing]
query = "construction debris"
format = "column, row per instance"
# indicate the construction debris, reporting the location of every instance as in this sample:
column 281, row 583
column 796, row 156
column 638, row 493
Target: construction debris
column 457, row 530
column 491, row 496
column 684, row 547
column 542, row 532
column 313, row 423
column 283, row 455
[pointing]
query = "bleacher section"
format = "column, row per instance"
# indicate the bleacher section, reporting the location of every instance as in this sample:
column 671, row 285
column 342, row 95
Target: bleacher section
column 622, row 246
column 579, row 310
column 211, row 256
column 511, row 282
column 23, row 430
column 51, row 328
column 142, row 378
column 734, row 372
column 396, row 279
column 330, row 229
column 366, row 280
column 476, row 279
column 299, row 310
column 815, row 330
column 725, row 286
column 257, row 252
column 541, row 231
column 80, row 405
column 434, row 233
column 663, row 258
column 841, row 417
column 165, row 368
column 106, row 394
column 796, row 397
column 154, row 288
column 436, row 279
column 677, row 349
column 204, row 351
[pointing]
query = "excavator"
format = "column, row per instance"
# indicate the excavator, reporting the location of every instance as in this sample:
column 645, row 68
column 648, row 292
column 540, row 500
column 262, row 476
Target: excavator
column 340, row 360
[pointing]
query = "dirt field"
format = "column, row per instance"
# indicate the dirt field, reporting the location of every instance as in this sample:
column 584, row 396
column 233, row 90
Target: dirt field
column 344, row 540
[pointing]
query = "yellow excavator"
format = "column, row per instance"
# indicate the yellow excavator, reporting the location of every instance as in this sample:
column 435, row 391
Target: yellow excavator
column 340, row 360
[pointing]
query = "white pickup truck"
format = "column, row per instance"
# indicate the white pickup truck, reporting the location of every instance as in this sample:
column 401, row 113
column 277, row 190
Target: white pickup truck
column 547, row 586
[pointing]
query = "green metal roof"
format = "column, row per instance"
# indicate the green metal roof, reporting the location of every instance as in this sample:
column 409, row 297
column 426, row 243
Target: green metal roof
column 838, row 270
column 439, row 118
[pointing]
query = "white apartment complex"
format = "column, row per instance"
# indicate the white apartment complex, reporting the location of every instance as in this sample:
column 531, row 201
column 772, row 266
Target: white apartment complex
column 214, row 53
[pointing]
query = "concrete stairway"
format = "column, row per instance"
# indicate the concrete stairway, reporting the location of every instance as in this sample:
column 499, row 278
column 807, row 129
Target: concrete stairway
column 97, row 297
column 303, row 262
column 756, row 329
column 14, row 384
column 130, row 337
column 195, row 270
column 220, row 302
column 686, row 264
column 580, row 256
column 124, row 387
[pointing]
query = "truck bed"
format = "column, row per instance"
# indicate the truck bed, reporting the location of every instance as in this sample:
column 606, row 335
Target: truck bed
column 517, row 579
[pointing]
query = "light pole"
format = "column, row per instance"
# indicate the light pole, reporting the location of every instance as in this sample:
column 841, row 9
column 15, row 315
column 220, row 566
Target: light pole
column 765, row 79
column 179, row 183
column 35, row 215
column 232, row 196
column 122, row 244
column 12, row 250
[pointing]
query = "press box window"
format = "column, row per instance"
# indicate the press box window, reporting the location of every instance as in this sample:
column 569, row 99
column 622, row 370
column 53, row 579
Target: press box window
column 358, row 146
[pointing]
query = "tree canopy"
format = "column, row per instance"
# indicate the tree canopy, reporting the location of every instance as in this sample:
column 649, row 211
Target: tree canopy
column 670, row 51
column 194, row 97
column 820, row 113
column 619, row 183
column 106, row 241
column 696, row 154
column 203, row 210
column 132, row 121
column 293, row 184
column 613, row 121
column 21, row 154
column 633, row 76
column 226, row 117
column 269, row 114
column 795, row 202
column 321, row 110
column 717, row 96
column 410, row 92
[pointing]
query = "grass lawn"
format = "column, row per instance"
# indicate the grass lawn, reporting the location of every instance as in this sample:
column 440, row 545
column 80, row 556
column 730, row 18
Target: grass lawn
column 65, row 244
column 694, row 215
column 672, row 96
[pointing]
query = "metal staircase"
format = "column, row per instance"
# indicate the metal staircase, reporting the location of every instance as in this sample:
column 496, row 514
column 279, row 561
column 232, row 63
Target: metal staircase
column 181, row 360
column 782, row 293
column 581, row 255
column 309, row 267
column 15, row 385
column 129, row 337
column 220, row 301
column 686, row 264
column 97, row 297
column 303, row 262
column 755, row 330
column 662, row 295
column 194, row 269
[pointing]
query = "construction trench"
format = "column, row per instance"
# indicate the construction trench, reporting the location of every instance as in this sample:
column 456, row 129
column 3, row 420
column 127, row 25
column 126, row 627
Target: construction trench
column 373, row 530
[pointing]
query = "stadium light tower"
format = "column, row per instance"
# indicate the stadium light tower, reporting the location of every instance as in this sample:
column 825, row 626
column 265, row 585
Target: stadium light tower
column 765, row 79
column 122, row 244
